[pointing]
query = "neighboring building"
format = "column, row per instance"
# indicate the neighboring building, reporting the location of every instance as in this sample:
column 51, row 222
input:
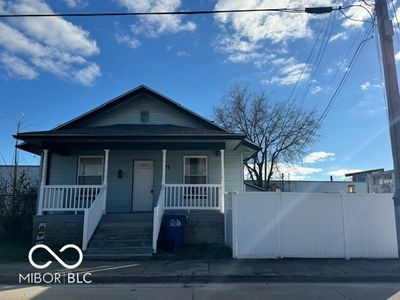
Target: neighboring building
column 31, row 173
column 305, row 186
column 112, row 167
column 377, row 180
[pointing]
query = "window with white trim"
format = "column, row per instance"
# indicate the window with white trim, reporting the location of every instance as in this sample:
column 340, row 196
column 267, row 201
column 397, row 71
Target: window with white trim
column 90, row 170
column 195, row 169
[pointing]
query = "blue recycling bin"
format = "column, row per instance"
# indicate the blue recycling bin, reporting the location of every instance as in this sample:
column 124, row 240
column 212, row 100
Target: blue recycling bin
column 176, row 230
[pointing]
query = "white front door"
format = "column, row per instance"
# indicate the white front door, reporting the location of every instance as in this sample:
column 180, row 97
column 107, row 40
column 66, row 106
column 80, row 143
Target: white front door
column 143, row 176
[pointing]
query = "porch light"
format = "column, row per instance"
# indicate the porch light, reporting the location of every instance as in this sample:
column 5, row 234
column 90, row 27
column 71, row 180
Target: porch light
column 120, row 173
column 351, row 188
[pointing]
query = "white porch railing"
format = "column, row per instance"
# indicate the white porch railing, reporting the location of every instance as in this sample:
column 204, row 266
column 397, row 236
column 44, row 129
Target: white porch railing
column 90, row 199
column 193, row 196
column 92, row 216
column 157, row 217
column 67, row 197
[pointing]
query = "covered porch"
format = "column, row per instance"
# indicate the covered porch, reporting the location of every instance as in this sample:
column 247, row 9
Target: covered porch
column 167, row 191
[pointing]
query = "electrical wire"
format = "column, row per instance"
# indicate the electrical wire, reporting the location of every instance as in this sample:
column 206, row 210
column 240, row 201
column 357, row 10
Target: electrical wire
column 313, row 10
column 306, row 67
column 345, row 76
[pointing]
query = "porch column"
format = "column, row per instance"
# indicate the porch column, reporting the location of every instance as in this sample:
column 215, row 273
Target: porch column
column 222, row 195
column 105, row 177
column 164, row 161
column 43, row 180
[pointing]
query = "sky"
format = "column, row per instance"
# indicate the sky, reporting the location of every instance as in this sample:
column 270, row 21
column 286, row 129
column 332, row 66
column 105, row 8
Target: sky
column 54, row 69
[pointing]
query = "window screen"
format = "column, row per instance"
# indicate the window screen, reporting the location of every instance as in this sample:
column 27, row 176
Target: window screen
column 90, row 170
column 195, row 170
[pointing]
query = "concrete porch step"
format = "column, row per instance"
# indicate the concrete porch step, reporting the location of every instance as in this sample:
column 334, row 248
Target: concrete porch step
column 124, row 231
column 121, row 243
column 116, row 257
column 120, row 250
column 121, row 237
column 134, row 224
column 117, row 236
column 128, row 217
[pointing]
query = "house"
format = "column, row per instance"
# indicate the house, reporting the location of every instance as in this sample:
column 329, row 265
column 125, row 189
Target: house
column 109, row 175
column 377, row 180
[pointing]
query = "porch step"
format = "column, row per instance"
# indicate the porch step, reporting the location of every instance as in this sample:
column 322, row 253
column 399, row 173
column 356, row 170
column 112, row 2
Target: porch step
column 119, row 250
column 122, row 237
column 116, row 257
column 128, row 217
column 120, row 243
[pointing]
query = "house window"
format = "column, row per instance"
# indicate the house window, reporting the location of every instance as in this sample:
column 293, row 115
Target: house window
column 144, row 116
column 195, row 169
column 90, row 170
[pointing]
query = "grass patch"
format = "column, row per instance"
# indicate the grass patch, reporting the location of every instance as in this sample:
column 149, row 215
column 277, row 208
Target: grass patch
column 197, row 251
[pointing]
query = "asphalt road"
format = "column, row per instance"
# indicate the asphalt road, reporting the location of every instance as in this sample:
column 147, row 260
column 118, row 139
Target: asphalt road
column 227, row 291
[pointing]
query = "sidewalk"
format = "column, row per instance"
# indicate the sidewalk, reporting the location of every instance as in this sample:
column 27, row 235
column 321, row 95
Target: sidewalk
column 224, row 270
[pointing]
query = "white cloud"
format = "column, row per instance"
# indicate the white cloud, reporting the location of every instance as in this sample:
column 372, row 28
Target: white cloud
column 341, row 36
column 15, row 66
column 364, row 86
column 241, row 51
column 320, row 156
column 153, row 26
column 297, row 172
column 289, row 72
column 75, row 3
column 368, row 86
column 127, row 39
column 247, row 37
column 51, row 45
column 87, row 75
column 397, row 56
column 316, row 90
column 182, row 54
column 275, row 27
column 341, row 172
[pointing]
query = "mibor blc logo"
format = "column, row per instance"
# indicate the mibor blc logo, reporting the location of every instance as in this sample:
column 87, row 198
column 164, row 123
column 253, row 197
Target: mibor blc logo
column 55, row 277
column 77, row 264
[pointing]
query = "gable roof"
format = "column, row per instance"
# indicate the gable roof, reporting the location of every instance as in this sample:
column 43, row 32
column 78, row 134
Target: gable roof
column 33, row 141
column 141, row 89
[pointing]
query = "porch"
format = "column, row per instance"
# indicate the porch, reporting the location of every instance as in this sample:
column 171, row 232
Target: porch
column 92, row 200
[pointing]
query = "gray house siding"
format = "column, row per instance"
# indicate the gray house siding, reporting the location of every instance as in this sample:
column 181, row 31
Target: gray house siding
column 63, row 170
column 129, row 113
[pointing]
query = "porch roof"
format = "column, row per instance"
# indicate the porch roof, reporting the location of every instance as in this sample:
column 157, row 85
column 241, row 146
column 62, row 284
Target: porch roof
column 130, row 130
column 129, row 136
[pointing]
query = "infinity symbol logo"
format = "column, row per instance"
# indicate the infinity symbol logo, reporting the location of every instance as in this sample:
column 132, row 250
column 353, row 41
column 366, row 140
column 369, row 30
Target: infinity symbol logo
column 55, row 256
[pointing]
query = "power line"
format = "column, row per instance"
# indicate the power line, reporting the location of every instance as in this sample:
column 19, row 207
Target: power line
column 309, row 10
column 306, row 67
column 349, row 68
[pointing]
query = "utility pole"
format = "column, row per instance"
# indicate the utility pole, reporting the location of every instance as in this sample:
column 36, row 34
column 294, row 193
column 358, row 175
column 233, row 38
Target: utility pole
column 392, row 93
column 15, row 171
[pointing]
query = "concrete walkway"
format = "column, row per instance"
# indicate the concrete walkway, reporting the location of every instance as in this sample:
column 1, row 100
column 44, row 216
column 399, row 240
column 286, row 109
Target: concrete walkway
column 226, row 270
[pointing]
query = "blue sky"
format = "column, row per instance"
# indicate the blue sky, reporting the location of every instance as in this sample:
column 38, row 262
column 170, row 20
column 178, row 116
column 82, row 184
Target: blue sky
column 52, row 70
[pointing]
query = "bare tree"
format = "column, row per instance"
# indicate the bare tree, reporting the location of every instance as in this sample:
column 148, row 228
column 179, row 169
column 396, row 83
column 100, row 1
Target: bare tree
column 281, row 130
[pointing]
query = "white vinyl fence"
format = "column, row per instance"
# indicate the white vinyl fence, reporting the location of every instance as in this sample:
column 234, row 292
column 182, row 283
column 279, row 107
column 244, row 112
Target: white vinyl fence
column 312, row 225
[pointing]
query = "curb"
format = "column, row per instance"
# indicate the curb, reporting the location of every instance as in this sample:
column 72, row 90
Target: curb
column 233, row 279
